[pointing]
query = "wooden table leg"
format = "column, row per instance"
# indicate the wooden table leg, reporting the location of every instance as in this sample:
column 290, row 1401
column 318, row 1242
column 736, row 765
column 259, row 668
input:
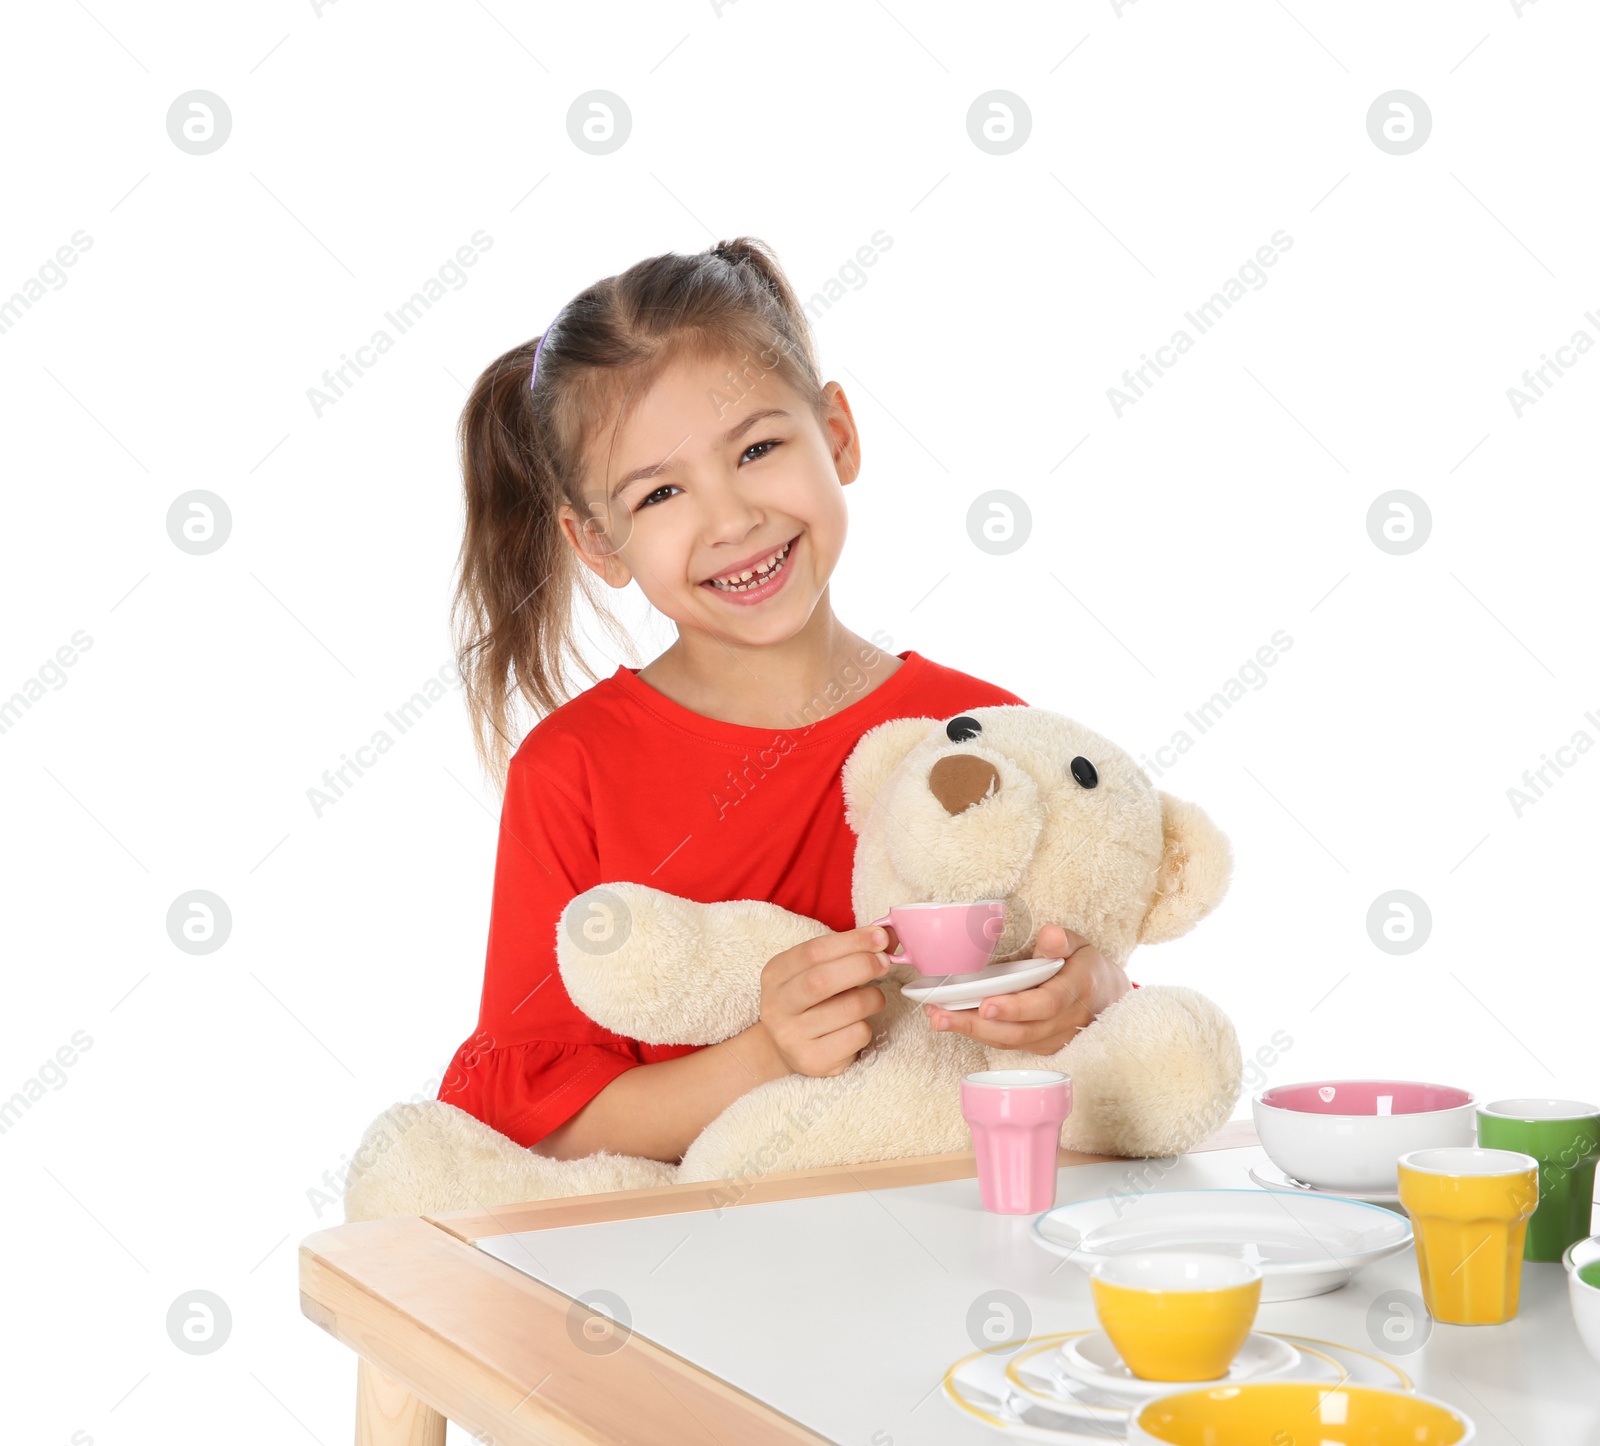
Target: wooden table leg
column 389, row 1415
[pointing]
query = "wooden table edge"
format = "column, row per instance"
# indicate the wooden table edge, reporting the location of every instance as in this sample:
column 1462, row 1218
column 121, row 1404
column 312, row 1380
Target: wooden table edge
column 445, row 1331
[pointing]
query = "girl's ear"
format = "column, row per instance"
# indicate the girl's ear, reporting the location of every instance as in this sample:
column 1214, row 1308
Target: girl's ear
column 588, row 545
column 877, row 753
column 1196, row 866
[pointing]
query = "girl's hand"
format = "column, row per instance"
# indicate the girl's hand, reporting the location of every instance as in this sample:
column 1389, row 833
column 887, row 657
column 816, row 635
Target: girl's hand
column 816, row 998
column 1043, row 1019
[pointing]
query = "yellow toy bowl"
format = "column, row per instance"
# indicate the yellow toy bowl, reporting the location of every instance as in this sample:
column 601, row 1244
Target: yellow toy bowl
column 1276, row 1413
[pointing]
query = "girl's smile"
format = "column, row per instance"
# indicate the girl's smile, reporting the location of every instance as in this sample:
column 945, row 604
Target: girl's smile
column 755, row 580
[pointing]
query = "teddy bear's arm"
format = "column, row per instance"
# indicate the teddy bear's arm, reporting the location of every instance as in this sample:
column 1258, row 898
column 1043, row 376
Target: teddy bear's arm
column 666, row 970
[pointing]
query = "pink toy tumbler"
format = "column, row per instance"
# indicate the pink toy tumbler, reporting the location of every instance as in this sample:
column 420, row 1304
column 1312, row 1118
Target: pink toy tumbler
column 1016, row 1117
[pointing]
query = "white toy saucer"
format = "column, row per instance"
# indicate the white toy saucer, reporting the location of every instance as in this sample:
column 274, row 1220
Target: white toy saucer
column 1007, row 1396
column 1036, row 1373
column 978, row 1384
column 1093, row 1360
column 968, row 991
column 1271, row 1177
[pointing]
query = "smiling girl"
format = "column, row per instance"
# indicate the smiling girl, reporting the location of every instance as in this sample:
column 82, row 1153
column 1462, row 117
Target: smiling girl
column 671, row 428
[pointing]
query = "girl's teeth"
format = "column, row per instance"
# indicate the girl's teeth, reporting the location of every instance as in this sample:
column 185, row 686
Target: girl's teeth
column 743, row 583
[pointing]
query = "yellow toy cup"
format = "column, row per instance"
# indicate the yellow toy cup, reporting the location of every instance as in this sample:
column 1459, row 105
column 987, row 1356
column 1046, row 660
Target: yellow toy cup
column 1176, row 1315
column 1469, row 1208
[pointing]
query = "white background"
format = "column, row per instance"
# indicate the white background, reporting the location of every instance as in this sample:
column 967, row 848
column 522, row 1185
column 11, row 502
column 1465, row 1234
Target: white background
column 367, row 145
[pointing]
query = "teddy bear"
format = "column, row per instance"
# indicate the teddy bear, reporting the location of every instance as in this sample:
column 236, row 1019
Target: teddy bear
column 1006, row 802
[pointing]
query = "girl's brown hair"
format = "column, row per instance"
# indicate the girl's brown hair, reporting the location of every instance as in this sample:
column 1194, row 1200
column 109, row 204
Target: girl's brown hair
column 523, row 454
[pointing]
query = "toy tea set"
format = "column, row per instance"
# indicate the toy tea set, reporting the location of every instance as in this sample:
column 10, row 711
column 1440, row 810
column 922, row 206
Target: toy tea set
column 1176, row 1284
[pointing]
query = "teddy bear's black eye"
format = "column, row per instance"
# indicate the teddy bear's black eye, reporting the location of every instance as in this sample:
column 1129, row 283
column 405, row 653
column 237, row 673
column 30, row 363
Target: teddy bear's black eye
column 958, row 730
column 1083, row 771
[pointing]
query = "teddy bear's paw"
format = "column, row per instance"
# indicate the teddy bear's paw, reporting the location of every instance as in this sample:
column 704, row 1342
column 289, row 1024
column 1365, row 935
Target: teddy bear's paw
column 1156, row 1073
column 419, row 1159
column 665, row 970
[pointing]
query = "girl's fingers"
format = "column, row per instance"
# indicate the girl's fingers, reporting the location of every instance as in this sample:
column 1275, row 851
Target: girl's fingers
column 824, row 981
column 1043, row 1018
column 995, row 1031
column 847, row 1041
column 827, row 949
column 1040, row 1002
column 843, row 1009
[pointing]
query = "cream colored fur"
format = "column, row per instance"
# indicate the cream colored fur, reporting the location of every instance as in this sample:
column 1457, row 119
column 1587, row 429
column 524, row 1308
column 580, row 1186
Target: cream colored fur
column 1121, row 863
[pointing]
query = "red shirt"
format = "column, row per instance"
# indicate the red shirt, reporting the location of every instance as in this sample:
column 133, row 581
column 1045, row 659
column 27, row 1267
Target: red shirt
column 621, row 784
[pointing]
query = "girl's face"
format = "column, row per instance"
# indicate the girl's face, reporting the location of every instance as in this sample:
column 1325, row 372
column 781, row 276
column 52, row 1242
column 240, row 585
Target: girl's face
column 711, row 478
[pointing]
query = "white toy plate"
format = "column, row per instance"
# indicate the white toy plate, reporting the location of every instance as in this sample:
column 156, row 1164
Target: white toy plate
column 1305, row 1244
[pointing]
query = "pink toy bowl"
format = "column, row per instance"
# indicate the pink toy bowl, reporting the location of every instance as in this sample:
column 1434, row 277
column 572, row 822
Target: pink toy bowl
column 1346, row 1134
column 1016, row 1117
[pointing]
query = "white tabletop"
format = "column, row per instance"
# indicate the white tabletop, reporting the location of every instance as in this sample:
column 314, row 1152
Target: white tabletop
column 845, row 1311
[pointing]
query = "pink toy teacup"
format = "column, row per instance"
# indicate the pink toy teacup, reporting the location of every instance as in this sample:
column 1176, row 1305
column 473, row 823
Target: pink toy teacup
column 947, row 938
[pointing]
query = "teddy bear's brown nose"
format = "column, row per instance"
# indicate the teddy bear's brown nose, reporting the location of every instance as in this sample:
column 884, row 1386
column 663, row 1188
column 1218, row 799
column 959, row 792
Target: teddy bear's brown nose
column 960, row 780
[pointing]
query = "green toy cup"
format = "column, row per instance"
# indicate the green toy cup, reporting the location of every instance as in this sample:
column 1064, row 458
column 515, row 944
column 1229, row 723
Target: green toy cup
column 1564, row 1137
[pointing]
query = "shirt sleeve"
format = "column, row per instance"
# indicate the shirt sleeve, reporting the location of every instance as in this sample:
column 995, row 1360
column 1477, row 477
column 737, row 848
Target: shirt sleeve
column 526, row 1090
column 536, row 1059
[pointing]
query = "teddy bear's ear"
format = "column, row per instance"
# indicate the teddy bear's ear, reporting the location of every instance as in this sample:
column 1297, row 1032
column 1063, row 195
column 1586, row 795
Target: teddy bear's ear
column 1196, row 864
column 876, row 755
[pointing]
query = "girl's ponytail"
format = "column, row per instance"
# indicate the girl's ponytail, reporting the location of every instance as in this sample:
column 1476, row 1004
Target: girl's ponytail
column 524, row 452
column 512, row 612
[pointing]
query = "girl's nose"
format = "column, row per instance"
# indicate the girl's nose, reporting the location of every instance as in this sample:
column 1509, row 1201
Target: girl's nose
column 730, row 515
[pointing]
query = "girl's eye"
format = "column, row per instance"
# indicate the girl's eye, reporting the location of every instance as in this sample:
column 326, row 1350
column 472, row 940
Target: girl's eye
column 650, row 499
column 664, row 487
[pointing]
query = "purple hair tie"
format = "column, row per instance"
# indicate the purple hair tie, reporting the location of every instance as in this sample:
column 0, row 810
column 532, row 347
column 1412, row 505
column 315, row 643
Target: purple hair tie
column 535, row 375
